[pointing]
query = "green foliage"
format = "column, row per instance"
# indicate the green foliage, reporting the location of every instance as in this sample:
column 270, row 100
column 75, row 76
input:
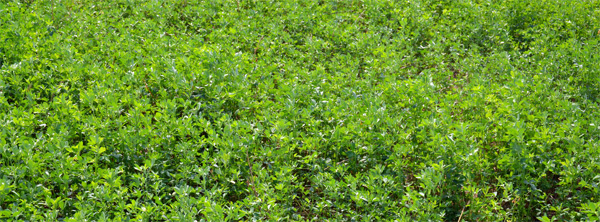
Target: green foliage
column 427, row 110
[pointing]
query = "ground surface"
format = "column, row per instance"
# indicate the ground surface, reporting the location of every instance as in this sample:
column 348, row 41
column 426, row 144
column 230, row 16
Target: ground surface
column 468, row 110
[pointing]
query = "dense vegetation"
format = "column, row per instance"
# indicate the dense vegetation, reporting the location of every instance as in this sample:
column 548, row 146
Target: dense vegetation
column 426, row 110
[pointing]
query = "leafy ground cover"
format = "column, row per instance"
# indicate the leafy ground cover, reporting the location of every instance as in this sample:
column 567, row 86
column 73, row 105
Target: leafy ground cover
column 421, row 110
